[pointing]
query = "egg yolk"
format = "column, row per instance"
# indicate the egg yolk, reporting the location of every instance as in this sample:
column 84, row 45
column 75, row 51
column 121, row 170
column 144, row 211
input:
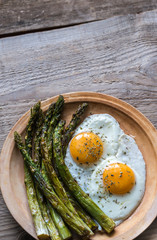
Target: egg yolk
column 118, row 178
column 86, row 147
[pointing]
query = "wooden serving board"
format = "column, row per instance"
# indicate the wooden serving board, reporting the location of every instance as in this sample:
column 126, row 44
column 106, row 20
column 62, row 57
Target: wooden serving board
column 131, row 121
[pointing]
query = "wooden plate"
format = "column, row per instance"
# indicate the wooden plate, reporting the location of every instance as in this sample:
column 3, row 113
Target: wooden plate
column 131, row 121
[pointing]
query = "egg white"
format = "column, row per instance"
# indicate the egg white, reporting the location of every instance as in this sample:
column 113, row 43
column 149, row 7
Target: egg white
column 118, row 147
column 118, row 207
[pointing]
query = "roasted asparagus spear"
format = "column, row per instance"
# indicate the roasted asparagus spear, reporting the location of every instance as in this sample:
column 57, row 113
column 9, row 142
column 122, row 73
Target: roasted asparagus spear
column 84, row 200
column 47, row 210
column 47, row 148
column 47, row 157
column 47, row 167
column 82, row 214
column 72, row 220
column 72, row 126
column 65, row 141
column 53, row 110
column 37, row 128
column 58, row 221
column 40, row 226
column 37, row 139
column 54, row 234
column 54, row 120
column 51, row 120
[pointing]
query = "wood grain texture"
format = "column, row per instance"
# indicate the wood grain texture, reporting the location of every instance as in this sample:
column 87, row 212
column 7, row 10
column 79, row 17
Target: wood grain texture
column 26, row 15
column 117, row 56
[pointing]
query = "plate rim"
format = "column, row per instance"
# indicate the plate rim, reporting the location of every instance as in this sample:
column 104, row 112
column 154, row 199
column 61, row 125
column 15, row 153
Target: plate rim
column 71, row 97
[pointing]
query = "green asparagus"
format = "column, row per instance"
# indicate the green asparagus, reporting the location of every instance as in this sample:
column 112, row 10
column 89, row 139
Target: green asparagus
column 47, row 157
column 82, row 214
column 33, row 117
column 56, row 182
column 51, row 118
column 47, row 211
column 72, row 125
column 56, row 115
column 48, row 118
column 54, row 109
column 72, row 220
column 40, row 226
column 49, row 139
column 62, row 228
column 84, row 200
column 37, row 139
column 65, row 141
column 54, row 234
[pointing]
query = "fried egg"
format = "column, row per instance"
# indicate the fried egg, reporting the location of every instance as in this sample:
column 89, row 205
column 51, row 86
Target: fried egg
column 108, row 165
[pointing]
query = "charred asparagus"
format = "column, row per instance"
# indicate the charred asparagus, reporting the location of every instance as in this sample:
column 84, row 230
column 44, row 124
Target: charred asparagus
column 47, row 210
column 40, row 226
column 84, row 200
column 72, row 126
column 72, row 220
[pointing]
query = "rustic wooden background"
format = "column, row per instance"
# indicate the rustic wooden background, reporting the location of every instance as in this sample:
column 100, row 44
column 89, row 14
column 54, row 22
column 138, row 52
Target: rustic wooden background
column 52, row 47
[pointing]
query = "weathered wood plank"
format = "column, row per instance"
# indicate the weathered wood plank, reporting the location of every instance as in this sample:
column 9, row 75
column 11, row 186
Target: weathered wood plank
column 26, row 15
column 150, row 233
column 117, row 56
column 9, row 229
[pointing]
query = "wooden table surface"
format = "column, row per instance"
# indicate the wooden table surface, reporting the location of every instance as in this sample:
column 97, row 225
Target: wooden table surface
column 52, row 47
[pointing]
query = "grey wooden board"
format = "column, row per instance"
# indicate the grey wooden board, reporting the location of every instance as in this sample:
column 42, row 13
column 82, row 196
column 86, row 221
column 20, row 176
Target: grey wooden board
column 117, row 56
column 27, row 15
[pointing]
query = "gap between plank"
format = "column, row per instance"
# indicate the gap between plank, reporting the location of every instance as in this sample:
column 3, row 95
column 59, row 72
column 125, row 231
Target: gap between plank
column 44, row 29
column 60, row 27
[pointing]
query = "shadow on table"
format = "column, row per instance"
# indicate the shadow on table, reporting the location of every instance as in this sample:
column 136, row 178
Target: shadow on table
column 25, row 236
